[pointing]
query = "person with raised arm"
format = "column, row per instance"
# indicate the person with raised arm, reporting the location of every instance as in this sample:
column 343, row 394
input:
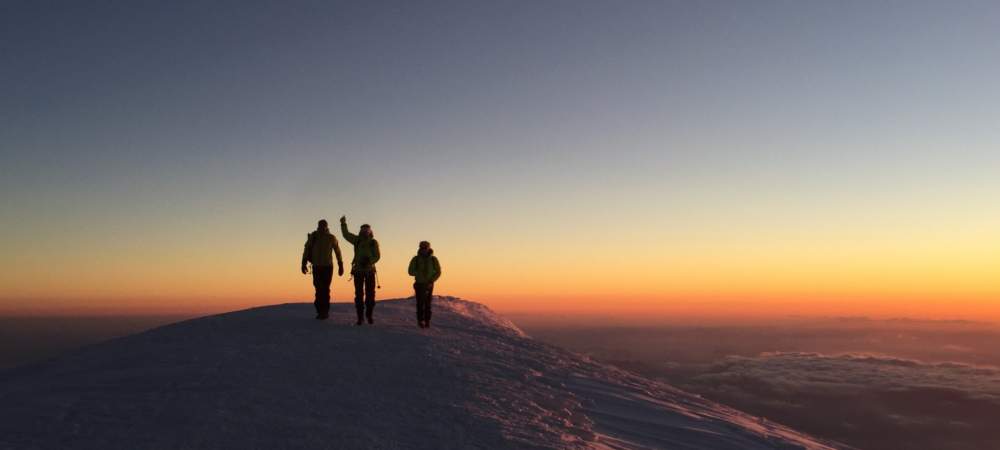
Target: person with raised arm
column 366, row 254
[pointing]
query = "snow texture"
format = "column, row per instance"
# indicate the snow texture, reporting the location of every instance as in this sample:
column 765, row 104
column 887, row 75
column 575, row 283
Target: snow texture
column 275, row 378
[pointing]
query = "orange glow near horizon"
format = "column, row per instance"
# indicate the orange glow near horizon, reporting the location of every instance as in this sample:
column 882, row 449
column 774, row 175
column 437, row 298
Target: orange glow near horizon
column 693, row 278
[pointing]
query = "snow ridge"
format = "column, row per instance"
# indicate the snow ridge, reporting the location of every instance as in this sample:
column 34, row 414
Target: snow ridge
column 480, row 313
column 272, row 378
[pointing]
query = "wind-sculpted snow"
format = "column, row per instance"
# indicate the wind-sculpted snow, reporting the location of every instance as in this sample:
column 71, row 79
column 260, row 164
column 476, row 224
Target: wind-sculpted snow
column 273, row 378
column 481, row 315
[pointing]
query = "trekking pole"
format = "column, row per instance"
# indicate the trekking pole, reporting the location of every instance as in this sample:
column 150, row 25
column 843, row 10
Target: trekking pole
column 377, row 284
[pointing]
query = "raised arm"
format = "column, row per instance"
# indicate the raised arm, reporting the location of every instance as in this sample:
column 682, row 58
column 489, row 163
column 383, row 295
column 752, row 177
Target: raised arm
column 348, row 236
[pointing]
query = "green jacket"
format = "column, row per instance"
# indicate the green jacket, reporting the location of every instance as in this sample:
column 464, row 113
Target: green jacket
column 319, row 247
column 366, row 252
column 426, row 269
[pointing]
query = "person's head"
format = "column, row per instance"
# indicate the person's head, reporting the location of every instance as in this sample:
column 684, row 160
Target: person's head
column 424, row 248
column 322, row 225
column 366, row 231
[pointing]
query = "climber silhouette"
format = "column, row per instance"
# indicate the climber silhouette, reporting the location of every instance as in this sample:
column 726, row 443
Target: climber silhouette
column 320, row 245
column 366, row 254
column 425, row 270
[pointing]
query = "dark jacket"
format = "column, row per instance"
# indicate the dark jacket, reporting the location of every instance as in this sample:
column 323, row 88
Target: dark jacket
column 425, row 268
column 366, row 252
column 319, row 249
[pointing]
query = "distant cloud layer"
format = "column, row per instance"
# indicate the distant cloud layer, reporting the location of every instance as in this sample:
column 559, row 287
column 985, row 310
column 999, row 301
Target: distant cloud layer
column 795, row 371
column 834, row 377
column 865, row 396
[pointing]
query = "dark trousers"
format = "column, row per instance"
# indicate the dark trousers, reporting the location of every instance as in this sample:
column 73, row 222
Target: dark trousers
column 423, row 292
column 364, row 293
column 322, row 276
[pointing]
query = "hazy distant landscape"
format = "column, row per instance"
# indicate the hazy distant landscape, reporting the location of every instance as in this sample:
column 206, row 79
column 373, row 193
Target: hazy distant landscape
column 875, row 384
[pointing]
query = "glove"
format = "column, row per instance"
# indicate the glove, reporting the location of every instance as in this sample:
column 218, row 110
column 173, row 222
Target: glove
column 343, row 219
column 340, row 270
column 304, row 269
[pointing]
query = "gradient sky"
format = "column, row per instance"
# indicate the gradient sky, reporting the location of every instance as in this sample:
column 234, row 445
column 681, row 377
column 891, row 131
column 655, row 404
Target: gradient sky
column 665, row 157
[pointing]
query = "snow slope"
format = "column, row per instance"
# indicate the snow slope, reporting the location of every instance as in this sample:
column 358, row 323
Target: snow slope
column 273, row 377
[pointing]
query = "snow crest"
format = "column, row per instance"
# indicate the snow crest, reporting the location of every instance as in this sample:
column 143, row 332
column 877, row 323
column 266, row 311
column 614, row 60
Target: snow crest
column 274, row 378
column 478, row 312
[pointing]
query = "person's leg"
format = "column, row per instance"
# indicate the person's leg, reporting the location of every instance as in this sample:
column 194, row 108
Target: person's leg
column 423, row 299
column 369, row 295
column 419, row 298
column 359, row 295
column 429, row 292
column 326, row 277
column 318, row 286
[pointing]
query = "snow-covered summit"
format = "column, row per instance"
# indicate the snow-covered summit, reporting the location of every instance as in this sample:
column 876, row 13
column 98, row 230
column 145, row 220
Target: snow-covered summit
column 273, row 378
